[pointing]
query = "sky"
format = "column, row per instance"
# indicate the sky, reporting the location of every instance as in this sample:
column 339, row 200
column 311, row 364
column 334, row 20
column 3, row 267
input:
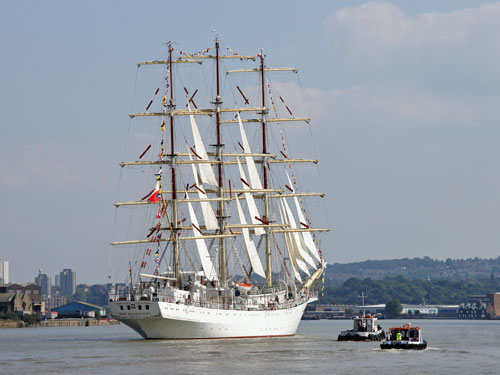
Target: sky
column 403, row 97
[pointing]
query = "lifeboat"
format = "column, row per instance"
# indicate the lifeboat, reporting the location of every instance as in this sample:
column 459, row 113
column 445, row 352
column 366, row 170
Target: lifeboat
column 243, row 287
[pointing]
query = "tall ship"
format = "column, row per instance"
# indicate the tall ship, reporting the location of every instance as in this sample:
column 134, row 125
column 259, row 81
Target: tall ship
column 224, row 246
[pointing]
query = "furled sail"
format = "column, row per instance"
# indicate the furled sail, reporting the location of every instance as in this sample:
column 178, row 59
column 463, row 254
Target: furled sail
column 304, row 254
column 252, row 207
column 309, row 242
column 206, row 262
column 249, row 244
column 252, row 169
column 207, row 210
column 291, row 252
column 206, row 171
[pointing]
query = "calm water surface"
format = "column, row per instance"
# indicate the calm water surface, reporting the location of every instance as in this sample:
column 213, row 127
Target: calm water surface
column 455, row 347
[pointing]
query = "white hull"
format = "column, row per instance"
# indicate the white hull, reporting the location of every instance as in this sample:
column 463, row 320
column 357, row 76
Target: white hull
column 166, row 320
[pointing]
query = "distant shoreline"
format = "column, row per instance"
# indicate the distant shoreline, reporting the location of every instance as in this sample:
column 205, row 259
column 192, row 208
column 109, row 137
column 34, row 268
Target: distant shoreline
column 61, row 323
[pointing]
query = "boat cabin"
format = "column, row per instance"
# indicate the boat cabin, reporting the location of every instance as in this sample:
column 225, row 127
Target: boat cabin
column 365, row 323
column 406, row 333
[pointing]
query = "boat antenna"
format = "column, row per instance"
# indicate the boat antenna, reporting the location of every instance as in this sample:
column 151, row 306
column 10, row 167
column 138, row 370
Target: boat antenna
column 362, row 296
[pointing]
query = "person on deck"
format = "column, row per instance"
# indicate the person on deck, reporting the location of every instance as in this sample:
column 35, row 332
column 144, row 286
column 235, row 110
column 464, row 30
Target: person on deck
column 398, row 336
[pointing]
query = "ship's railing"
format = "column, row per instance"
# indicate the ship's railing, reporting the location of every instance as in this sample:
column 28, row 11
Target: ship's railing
column 235, row 304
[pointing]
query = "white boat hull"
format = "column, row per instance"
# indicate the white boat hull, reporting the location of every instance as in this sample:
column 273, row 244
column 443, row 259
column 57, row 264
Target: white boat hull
column 163, row 320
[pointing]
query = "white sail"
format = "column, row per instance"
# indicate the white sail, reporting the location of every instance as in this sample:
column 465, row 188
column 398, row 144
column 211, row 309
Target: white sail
column 206, row 262
column 288, row 242
column 297, row 238
column 253, row 256
column 309, row 242
column 252, row 169
column 206, row 171
column 206, row 208
column 252, row 207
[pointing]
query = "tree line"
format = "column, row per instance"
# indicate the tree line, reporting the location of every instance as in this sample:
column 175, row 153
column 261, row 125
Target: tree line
column 407, row 290
column 416, row 268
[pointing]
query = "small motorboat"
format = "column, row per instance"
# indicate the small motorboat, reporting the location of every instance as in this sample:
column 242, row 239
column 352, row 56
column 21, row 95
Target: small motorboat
column 404, row 337
column 365, row 328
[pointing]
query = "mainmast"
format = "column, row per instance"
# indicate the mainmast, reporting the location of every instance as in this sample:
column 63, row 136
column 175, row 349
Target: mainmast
column 220, row 191
column 173, row 157
column 269, row 271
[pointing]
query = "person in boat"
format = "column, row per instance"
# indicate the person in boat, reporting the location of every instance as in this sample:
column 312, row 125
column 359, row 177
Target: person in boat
column 363, row 326
column 388, row 336
column 398, row 336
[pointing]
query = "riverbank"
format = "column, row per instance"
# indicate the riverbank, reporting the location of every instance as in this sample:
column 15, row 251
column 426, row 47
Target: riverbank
column 60, row 323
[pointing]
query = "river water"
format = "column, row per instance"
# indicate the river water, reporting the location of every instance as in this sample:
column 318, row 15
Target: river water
column 455, row 347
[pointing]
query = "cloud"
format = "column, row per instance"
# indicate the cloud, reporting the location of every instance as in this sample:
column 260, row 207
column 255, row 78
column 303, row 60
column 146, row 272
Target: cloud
column 431, row 70
column 387, row 107
column 52, row 165
column 452, row 50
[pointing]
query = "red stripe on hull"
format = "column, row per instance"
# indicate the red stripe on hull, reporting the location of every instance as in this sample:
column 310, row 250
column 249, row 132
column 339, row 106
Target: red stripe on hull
column 227, row 338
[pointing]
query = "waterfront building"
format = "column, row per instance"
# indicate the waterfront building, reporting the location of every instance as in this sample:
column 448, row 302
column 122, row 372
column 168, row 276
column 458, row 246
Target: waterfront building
column 43, row 281
column 474, row 308
column 422, row 310
column 4, row 272
column 79, row 309
column 493, row 309
column 324, row 311
column 57, row 281
column 54, row 301
column 67, row 280
column 34, row 291
column 16, row 302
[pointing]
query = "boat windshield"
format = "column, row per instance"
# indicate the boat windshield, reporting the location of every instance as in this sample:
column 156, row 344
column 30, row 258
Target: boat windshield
column 413, row 334
column 406, row 334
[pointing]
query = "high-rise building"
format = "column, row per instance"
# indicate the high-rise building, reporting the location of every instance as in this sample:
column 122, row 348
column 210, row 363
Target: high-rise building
column 4, row 272
column 43, row 281
column 67, row 280
column 57, row 281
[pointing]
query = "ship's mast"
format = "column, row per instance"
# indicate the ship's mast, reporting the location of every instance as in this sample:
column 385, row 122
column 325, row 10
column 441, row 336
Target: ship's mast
column 220, row 192
column 269, row 270
column 173, row 157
